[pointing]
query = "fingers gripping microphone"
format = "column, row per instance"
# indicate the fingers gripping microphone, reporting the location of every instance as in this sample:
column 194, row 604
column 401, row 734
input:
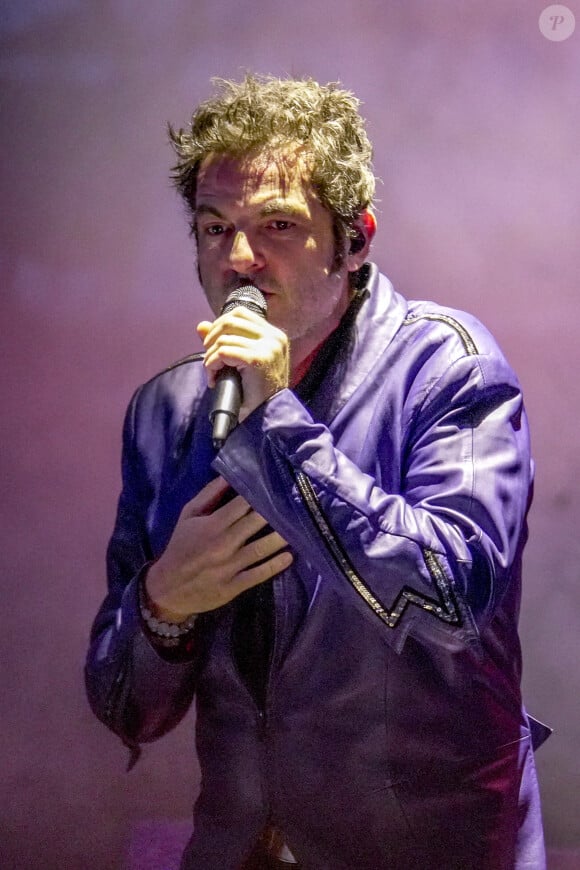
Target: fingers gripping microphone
column 228, row 389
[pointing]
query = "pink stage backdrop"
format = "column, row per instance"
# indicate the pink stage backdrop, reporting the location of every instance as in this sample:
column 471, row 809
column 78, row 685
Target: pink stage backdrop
column 475, row 115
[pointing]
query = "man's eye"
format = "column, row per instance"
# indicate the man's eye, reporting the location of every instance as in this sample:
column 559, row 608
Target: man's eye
column 214, row 230
column 282, row 225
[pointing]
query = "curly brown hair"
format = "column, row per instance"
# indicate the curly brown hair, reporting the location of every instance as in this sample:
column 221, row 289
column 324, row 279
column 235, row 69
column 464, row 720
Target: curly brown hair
column 264, row 112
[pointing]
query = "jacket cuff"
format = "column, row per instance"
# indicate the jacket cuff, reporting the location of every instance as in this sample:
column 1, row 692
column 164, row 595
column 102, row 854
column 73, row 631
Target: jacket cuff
column 151, row 656
column 285, row 422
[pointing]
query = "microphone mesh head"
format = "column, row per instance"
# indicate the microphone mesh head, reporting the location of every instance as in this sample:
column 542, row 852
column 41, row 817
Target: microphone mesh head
column 247, row 296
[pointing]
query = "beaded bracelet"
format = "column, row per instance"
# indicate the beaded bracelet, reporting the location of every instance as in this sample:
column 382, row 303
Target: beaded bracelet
column 165, row 634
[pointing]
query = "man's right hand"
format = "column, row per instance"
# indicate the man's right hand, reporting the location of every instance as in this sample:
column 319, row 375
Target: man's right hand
column 209, row 559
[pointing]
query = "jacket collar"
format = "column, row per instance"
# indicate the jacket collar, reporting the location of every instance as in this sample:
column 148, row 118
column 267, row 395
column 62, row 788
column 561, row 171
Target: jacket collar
column 349, row 355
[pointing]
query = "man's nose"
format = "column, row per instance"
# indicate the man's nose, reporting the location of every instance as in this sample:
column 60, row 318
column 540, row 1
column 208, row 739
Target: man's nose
column 243, row 254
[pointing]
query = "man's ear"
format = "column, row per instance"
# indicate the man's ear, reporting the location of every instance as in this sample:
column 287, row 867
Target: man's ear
column 364, row 228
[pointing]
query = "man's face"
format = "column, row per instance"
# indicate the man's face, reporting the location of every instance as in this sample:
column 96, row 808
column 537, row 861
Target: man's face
column 258, row 220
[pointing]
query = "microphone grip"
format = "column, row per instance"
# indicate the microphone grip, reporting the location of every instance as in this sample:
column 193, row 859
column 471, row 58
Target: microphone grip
column 228, row 395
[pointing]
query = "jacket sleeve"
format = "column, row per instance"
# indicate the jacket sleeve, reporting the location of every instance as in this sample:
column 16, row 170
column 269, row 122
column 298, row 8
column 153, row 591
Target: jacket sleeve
column 132, row 689
column 433, row 553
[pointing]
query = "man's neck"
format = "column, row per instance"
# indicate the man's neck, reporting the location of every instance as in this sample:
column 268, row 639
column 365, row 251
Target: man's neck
column 298, row 371
column 303, row 351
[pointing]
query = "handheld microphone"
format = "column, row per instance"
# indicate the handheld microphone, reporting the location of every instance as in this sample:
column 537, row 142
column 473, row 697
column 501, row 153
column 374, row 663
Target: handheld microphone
column 228, row 389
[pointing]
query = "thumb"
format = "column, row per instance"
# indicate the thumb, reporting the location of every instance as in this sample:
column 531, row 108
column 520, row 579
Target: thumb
column 203, row 328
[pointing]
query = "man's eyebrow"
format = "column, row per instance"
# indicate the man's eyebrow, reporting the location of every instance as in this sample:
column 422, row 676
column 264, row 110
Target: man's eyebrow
column 281, row 206
column 207, row 209
column 275, row 206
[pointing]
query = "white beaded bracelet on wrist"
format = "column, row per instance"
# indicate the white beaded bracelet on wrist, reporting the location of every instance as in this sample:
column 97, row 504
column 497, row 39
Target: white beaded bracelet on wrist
column 167, row 634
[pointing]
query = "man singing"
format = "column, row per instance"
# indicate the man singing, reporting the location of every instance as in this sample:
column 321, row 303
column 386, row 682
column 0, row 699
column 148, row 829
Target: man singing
column 337, row 581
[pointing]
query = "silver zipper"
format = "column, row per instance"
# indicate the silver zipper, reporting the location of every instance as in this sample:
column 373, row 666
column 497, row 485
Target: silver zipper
column 445, row 608
column 464, row 336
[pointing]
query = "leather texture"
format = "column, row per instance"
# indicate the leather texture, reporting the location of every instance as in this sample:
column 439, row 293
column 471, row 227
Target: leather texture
column 393, row 733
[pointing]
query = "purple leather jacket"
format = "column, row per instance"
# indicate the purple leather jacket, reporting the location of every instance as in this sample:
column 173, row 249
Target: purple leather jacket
column 393, row 734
